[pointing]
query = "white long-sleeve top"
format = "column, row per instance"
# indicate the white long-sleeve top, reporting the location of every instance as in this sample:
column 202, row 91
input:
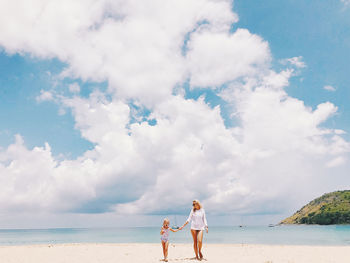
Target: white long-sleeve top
column 198, row 219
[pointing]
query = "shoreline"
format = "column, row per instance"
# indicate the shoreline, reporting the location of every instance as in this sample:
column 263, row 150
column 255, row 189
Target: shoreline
column 151, row 252
column 170, row 243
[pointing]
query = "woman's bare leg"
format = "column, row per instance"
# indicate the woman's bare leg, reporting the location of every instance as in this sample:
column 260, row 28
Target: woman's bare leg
column 200, row 241
column 194, row 236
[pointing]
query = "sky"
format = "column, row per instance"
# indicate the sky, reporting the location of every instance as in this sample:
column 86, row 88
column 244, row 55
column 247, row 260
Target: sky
column 118, row 113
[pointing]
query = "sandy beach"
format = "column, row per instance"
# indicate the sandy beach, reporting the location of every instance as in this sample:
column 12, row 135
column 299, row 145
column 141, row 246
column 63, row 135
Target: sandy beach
column 147, row 253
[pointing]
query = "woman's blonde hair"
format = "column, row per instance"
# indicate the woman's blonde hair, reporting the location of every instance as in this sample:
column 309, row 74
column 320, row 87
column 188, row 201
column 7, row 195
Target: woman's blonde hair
column 197, row 202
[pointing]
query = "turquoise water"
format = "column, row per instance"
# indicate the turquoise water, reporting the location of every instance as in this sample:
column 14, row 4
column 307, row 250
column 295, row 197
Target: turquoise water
column 288, row 235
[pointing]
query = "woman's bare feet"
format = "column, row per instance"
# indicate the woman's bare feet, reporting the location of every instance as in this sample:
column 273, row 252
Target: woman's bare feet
column 166, row 260
column 200, row 255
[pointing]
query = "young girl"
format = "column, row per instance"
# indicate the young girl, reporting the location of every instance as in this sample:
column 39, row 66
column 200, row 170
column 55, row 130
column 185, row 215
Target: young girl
column 165, row 237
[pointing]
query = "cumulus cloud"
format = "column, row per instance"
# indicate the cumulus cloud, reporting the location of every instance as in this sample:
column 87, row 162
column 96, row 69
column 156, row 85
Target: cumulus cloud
column 217, row 58
column 273, row 159
column 134, row 45
column 133, row 167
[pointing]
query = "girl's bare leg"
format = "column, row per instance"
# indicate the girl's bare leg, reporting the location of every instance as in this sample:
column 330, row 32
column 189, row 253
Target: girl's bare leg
column 194, row 236
column 200, row 239
column 166, row 251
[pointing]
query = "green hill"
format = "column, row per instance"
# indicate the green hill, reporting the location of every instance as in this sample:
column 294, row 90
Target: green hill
column 329, row 209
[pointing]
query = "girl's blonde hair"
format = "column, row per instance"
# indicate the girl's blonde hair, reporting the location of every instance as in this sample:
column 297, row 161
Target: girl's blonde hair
column 197, row 202
column 166, row 220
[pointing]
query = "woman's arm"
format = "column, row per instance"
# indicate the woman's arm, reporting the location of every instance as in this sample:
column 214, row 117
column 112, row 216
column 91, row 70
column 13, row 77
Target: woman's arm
column 205, row 221
column 183, row 225
column 188, row 219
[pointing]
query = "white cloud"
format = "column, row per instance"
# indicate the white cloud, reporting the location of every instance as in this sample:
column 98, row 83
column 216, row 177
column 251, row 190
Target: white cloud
column 217, row 58
column 74, row 87
column 122, row 42
column 329, row 88
column 272, row 160
column 339, row 132
column 294, row 61
column 336, row 162
column 133, row 166
column 346, row 2
column 44, row 96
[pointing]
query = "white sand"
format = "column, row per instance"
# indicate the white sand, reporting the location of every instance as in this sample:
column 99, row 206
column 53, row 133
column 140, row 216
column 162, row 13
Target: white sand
column 147, row 253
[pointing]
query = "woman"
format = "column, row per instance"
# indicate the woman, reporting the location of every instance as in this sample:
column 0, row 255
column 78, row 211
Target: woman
column 198, row 224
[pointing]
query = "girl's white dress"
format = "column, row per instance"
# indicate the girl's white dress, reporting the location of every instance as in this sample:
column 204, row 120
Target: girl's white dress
column 198, row 219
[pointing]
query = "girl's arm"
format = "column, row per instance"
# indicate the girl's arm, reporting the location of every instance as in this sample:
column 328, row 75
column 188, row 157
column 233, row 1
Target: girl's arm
column 162, row 231
column 174, row 230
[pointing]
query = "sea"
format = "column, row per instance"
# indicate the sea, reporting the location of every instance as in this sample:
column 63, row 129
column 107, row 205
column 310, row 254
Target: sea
column 335, row 235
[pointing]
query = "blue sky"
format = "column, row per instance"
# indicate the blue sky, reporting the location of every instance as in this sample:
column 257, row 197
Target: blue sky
column 137, row 133
column 22, row 78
